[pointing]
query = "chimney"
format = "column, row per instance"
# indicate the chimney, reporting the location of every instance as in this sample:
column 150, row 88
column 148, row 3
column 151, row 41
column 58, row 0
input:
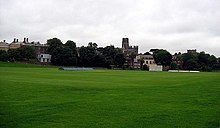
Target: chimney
column 24, row 40
column 27, row 40
column 17, row 40
column 4, row 41
column 14, row 40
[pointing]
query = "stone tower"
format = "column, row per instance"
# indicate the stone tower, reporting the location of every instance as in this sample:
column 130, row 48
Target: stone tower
column 125, row 43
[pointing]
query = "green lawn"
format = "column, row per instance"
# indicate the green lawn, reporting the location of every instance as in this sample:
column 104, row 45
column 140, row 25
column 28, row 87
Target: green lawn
column 35, row 96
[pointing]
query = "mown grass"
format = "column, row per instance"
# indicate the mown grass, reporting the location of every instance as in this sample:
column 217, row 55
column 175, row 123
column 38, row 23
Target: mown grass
column 35, row 96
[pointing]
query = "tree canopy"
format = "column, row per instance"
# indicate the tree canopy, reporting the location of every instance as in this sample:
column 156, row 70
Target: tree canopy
column 62, row 54
column 162, row 57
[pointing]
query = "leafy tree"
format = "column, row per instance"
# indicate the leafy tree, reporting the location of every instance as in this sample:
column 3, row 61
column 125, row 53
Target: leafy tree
column 56, row 55
column 207, row 62
column 87, row 55
column 27, row 52
column 213, row 62
column 71, row 49
column 192, row 64
column 119, row 60
column 99, row 61
column 53, row 45
column 14, row 55
column 190, row 61
column 162, row 57
column 145, row 67
column 173, row 65
column 3, row 55
column 109, row 52
column 147, row 53
column 62, row 54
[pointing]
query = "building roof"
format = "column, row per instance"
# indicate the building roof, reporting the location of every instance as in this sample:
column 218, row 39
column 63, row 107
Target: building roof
column 4, row 44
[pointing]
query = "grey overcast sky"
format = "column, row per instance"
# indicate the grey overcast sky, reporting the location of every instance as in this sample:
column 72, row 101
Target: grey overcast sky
column 175, row 25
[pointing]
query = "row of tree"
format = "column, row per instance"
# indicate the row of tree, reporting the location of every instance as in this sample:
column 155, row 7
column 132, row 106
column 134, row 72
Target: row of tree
column 89, row 56
column 93, row 56
column 196, row 61
column 20, row 54
column 187, row 61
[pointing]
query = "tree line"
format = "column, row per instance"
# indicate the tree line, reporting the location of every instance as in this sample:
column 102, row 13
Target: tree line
column 69, row 54
column 86, row 56
column 187, row 61
column 23, row 53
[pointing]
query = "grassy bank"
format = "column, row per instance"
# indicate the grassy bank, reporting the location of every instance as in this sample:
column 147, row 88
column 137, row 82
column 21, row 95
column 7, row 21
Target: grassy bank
column 36, row 96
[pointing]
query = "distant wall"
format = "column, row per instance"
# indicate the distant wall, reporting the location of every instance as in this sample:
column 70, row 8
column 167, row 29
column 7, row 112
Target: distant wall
column 157, row 68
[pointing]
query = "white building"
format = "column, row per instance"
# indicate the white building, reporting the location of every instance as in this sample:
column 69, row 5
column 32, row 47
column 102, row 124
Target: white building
column 44, row 58
column 147, row 60
column 155, row 68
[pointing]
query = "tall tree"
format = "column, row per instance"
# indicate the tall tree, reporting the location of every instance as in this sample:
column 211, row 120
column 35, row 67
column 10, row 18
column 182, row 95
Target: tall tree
column 71, row 49
column 162, row 57
column 62, row 54
column 190, row 61
column 119, row 60
column 15, row 54
column 27, row 52
column 3, row 55
column 53, row 45
column 87, row 55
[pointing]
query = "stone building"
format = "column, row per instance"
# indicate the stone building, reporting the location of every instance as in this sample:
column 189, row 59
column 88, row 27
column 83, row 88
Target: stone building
column 192, row 51
column 130, row 52
column 146, row 60
column 15, row 44
column 4, row 46
column 127, row 49
column 40, row 49
column 44, row 58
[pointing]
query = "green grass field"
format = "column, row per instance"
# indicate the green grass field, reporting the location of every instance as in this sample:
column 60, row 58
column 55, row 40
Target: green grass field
column 34, row 96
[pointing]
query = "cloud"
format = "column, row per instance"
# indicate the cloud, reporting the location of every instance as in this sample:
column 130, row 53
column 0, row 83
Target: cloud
column 175, row 24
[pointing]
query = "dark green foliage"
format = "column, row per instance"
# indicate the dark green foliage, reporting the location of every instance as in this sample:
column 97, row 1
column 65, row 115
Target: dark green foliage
column 145, row 67
column 190, row 61
column 119, row 60
column 53, row 44
column 87, row 55
column 62, row 54
column 147, row 53
column 27, row 52
column 14, row 55
column 109, row 53
column 162, row 57
column 99, row 61
column 3, row 55
column 173, row 65
column 101, row 57
column 22, row 53
column 199, row 61
column 71, row 53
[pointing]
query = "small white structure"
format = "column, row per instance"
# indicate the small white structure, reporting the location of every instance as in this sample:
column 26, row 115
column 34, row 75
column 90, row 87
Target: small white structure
column 44, row 58
column 157, row 68
column 182, row 71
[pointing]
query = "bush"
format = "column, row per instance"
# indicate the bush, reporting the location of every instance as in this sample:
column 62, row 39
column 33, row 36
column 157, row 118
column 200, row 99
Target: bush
column 3, row 55
column 145, row 67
